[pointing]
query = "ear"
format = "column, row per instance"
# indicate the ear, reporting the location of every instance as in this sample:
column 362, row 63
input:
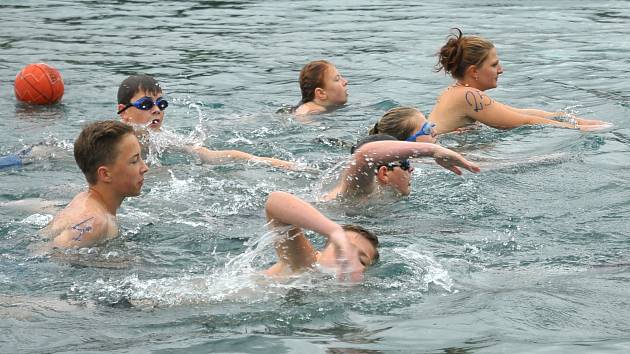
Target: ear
column 320, row 94
column 473, row 72
column 103, row 174
column 382, row 174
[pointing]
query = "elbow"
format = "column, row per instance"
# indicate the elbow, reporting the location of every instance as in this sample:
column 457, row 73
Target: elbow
column 274, row 198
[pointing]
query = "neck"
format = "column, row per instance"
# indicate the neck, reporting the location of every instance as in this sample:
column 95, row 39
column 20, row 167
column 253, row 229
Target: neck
column 109, row 201
column 317, row 105
column 467, row 82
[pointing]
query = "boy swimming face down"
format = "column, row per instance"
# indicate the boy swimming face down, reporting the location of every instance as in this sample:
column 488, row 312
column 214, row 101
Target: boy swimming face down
column 348, row 251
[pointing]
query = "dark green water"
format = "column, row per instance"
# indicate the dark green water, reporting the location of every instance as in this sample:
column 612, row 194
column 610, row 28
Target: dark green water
column 532, row 255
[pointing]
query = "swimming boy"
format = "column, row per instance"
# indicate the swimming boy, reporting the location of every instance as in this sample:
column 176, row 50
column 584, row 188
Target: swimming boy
column 381, row 161
column 349, row 250
column 108, row 154
column 140, row 102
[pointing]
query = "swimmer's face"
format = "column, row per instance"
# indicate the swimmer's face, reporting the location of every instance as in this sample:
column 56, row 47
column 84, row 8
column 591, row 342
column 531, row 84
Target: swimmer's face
column 420, row 121
column 396, row 177
column 489, row 71
column 335, row 87
column 367, row 251
column 151, row 118
column 127, row 171
column 400, row 179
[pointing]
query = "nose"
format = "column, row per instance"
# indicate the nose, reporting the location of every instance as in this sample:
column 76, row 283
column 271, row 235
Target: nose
column 500, row 71
column 155, row 109
column 345, row 81
column 144, row 168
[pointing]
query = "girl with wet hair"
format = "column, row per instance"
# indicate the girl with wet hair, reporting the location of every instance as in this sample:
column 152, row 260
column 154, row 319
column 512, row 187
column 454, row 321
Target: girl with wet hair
column 474, row 64
column 407, row 124
column 323, row 88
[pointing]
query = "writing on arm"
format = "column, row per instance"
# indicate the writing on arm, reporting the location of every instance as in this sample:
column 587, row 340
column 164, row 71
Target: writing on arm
column 82, row 228
column 477, row 100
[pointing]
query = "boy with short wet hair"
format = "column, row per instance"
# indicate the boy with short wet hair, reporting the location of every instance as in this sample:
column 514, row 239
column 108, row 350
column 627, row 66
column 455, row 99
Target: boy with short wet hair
column 108, row 154
column 141, row 102
column 349, row 250
column 381, row 161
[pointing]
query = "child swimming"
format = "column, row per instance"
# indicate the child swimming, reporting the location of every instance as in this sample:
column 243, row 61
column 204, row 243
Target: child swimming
column 323, row 88
column 406, row 124
column 380, row 161
column 108, row 154
column 141, row 102
column 349, row 250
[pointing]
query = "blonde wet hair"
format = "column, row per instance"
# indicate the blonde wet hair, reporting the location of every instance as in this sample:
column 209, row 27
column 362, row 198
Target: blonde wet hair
column 399, row 122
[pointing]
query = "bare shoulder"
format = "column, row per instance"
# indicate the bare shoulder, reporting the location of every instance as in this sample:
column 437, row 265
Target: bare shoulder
column 84, row 230
column 473, row 100
column 308, row 108
column 83, row 223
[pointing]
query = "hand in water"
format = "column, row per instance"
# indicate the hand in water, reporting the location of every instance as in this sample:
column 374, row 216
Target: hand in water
column 452, row 161
column 582, row 121
column 594, row 127
column 349, row 267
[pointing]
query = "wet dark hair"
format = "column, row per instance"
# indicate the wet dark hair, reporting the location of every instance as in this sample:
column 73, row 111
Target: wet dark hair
column 136, row 83
column 97, row 145
column 367, row 234
column 460, row 52
column 369, row 139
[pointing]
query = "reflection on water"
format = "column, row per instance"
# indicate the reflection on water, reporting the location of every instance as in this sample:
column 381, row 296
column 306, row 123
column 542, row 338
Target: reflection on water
column 531, row 254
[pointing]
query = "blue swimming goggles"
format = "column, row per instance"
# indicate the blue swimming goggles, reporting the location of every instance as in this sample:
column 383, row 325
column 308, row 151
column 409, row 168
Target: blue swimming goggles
column 146, row 103
column 426, row 129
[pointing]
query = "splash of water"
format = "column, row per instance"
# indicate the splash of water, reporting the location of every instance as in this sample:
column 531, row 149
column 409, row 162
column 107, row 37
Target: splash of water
column 425, row 268
column 238, row 280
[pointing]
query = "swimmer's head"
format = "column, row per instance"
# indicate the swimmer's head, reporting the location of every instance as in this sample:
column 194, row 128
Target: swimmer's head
column 320, row 82
column 394, row 174
column 460, row 53
column 407, row 124
column 140, row 102
column 98, row 145
column 370, row 139
column 365, row 241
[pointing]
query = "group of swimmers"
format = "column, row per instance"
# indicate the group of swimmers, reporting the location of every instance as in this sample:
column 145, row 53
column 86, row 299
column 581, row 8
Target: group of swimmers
column 109, row 153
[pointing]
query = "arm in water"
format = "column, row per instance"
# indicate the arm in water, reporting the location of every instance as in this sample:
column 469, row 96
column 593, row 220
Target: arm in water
column 295, row 252
column 359, row 174
column 222, row 156
column 484, row 109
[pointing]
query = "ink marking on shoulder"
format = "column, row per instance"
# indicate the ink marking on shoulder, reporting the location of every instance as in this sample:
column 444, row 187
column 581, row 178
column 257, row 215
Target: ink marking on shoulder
column 477, row 100
column 82, row 229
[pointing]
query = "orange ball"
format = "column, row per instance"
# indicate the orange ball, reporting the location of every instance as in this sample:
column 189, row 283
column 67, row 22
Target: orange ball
column 39, row 84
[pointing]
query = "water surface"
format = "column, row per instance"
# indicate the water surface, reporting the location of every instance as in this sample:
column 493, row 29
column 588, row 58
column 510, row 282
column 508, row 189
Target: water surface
column 529, row 256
